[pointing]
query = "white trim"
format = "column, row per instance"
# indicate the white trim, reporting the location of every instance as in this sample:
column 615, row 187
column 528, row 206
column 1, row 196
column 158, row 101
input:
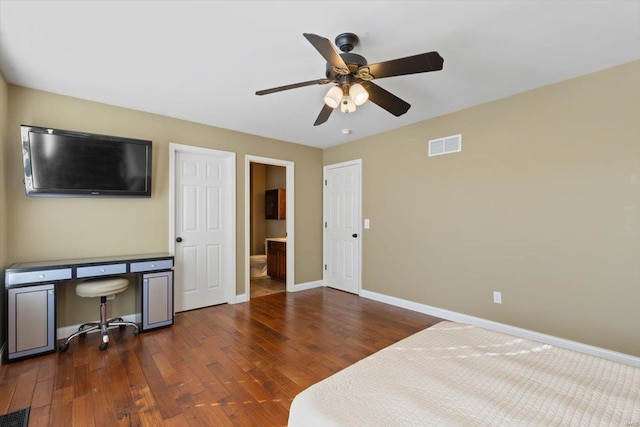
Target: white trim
column 231, row 158
column 356, row 162
column 291, row 248
column 501, row 327
column 64, row 331
column 241, row 298
column 308, row 285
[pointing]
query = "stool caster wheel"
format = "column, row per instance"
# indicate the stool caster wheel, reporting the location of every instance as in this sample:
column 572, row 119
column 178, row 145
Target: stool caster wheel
column 136, row 332
column 64, row 347
column 103, row 346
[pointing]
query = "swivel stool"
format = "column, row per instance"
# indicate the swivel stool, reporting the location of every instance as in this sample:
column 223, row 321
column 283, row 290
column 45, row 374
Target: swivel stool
column 101, row 288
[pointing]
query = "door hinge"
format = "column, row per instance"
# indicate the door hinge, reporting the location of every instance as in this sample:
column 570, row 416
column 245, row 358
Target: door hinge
column 325, row 267
column 325, row 182
column 325, row 224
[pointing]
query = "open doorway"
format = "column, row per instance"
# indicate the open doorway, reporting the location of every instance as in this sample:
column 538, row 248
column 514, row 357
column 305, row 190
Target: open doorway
column 269, row 226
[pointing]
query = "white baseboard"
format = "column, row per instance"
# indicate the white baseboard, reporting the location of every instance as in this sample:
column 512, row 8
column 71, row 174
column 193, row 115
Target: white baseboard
column 65, row 331
column 308, row 285
column 241, row 298
column 501, row 327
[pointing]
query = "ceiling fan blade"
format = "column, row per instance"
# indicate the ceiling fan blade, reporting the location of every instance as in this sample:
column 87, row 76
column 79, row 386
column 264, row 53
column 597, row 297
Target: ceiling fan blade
column 430, row 61
column 293, row 86
column 385, row 99
column 327, row 50
column 324, row 115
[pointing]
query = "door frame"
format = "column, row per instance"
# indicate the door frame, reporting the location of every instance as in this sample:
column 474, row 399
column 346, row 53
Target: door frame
column 230, row 157
column 325, row 247
column 291, row 252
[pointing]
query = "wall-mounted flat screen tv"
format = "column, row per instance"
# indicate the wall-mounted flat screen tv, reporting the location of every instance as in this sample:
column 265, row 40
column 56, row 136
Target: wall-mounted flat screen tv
column 61, row 163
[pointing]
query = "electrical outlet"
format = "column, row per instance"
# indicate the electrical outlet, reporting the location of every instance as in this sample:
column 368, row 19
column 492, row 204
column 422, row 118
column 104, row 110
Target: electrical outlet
column 497, row 297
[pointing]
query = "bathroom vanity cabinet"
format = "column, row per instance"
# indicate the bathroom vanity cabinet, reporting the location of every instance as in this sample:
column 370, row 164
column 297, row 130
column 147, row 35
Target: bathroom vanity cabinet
column 277, row 260
column 276, row 204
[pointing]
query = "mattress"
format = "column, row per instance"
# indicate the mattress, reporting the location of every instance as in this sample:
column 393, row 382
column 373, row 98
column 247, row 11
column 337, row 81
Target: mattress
column 456, row 374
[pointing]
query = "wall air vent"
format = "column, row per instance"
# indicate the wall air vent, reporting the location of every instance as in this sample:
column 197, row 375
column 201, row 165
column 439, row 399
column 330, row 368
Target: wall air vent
column 446, row 145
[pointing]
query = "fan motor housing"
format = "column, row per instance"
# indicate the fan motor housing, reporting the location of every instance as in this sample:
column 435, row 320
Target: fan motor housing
column 353, row 61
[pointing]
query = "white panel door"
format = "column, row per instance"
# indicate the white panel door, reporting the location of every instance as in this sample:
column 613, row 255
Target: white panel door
column 342, row 226
column 203, row 252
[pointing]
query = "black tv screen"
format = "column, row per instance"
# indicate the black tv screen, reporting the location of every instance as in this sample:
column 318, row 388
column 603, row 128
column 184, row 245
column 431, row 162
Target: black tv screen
column 61, row 163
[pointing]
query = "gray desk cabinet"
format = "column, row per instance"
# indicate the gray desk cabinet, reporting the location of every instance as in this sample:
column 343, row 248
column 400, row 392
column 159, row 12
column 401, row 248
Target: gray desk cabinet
column 157, row 300
column 31, row 315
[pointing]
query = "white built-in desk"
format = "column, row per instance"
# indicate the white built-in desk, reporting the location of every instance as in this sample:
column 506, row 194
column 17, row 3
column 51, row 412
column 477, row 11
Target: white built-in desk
column 30, row 295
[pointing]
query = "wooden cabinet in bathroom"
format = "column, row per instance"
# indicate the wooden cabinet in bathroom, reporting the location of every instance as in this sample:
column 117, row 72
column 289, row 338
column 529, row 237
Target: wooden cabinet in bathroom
column 276, row 204
column 277, row 260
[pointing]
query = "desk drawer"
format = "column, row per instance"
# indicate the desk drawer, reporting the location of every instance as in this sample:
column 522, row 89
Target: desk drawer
column 38, row 276
column 154, row 265
column 101, row 270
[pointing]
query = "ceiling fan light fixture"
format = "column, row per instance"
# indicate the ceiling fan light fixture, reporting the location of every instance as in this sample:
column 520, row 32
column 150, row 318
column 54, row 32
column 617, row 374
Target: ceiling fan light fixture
column 347, row 105
column 358, row 93
column 346, row 70
column 333, row 97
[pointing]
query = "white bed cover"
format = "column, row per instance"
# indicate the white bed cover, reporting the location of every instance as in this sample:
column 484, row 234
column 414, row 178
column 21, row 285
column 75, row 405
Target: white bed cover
column 456, row 374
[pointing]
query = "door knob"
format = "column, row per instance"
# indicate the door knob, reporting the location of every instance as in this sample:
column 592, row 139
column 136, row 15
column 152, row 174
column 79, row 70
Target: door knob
column 354, row 235
column 178, row 239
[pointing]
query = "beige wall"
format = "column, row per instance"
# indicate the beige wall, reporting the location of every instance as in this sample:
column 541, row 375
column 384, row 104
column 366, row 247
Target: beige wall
column 276, row 178
column 4, row 107
column 542, row 204
column 59, row 228
column 258, row 222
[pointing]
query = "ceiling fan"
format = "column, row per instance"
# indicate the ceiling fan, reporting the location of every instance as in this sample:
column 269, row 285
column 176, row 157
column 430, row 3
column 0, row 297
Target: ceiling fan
column 353, row 76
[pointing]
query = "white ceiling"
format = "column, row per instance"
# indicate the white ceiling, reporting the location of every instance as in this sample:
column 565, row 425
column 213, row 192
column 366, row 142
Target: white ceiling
column 203, row 61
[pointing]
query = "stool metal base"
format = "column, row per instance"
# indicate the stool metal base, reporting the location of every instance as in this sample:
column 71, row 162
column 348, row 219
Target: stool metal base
column 103, row 326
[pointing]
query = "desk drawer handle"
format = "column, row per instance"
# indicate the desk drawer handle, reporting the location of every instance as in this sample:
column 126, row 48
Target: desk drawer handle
column 153, row 266
column 41, row 276
column 102, row 270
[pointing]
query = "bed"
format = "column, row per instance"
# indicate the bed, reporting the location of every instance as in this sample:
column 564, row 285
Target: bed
column 457, row 374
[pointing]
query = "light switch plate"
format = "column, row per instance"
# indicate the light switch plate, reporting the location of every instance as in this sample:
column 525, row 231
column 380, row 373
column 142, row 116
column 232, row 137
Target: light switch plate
column 366, row 223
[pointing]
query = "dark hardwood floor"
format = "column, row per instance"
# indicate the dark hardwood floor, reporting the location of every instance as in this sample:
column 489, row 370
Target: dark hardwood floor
column 236, row 364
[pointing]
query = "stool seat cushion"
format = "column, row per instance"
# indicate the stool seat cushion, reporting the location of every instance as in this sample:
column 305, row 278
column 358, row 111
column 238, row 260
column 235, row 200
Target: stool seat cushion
column 101, row 287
